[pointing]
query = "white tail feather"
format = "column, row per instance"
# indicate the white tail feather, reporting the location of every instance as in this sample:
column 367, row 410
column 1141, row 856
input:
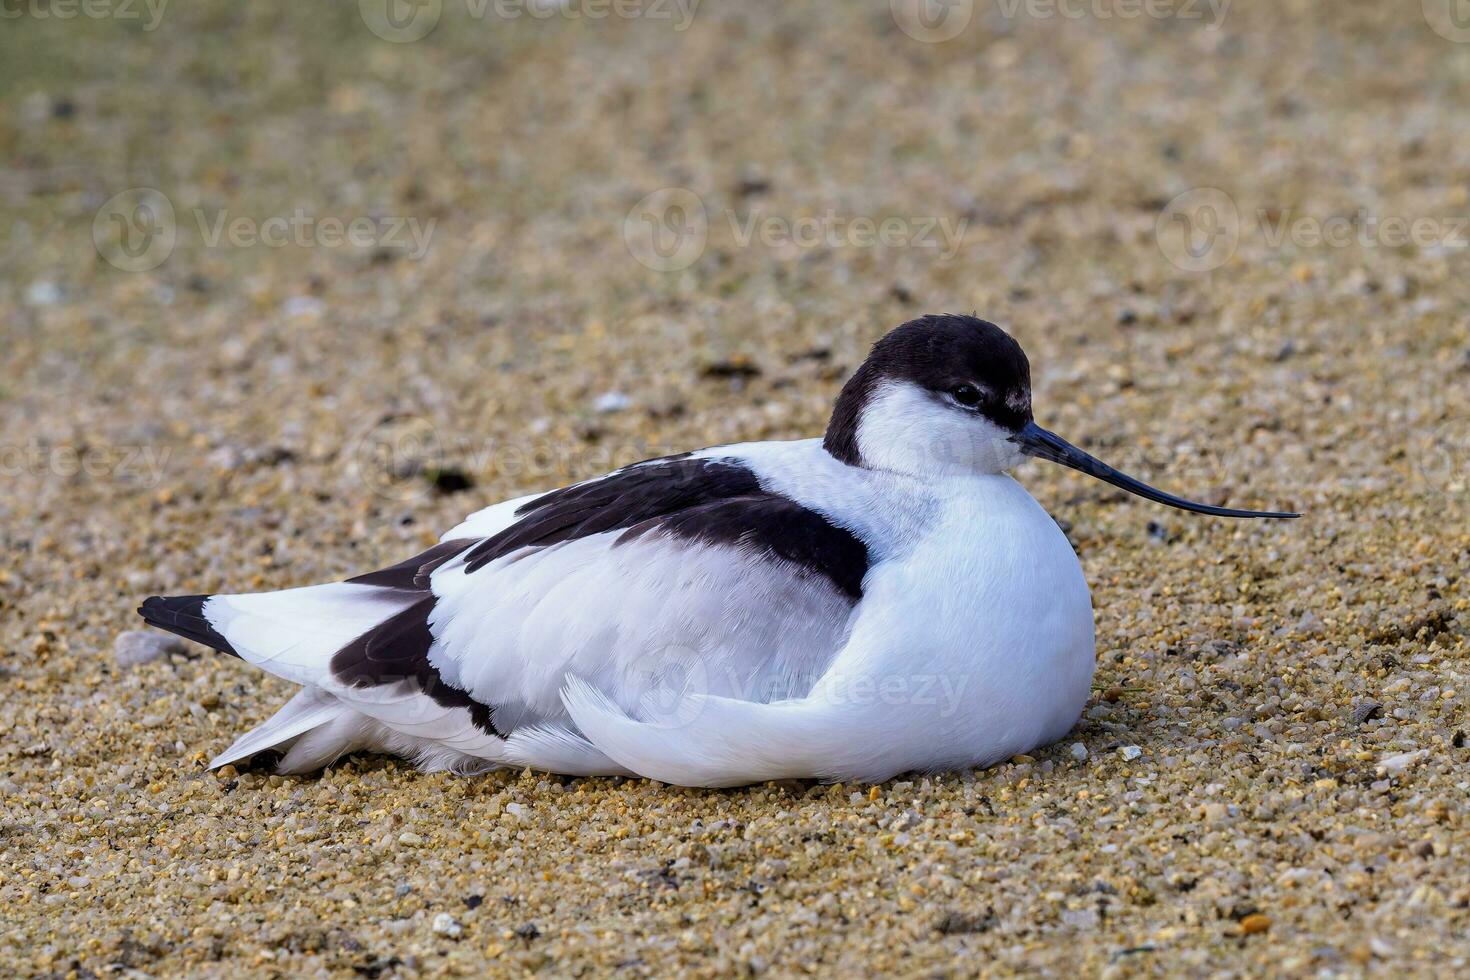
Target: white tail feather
column 346, row 732
column 309, row 709
column 294, row 633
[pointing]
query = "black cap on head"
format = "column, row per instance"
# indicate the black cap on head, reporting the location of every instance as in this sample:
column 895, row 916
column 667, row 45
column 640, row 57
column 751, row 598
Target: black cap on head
column 939, row 353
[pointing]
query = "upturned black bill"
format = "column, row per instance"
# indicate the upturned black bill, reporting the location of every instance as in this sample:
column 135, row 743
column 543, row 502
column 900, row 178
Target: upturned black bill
column 1038, row 442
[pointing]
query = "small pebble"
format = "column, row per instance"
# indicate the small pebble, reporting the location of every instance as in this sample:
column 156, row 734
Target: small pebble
column 1130, row 752
column 1254, row 923
column 611, row 401
column 135, row 647
column 1078, row 751
column 1395, row 764
column 447, row 925
column 303, row 306
column 1309, row 623
column 43, row 292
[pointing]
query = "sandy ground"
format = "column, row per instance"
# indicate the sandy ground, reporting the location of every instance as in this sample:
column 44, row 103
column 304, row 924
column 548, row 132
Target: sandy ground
column 195, row 397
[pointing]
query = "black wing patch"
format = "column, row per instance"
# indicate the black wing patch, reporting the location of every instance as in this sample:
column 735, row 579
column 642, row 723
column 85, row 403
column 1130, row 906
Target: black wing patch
column 397, row 649
column 706, row 500
column 412, row 574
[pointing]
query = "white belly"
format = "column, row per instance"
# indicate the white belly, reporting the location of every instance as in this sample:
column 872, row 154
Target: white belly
column 978, row 644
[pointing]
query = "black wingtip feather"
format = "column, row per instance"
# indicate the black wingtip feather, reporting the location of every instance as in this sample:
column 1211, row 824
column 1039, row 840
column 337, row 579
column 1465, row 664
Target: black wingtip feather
column 183, row 615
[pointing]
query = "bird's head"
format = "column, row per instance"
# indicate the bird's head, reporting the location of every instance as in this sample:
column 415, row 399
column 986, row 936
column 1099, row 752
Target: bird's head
column 948, row 395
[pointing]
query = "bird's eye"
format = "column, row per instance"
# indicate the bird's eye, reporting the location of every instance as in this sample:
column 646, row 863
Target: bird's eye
column 966, row 395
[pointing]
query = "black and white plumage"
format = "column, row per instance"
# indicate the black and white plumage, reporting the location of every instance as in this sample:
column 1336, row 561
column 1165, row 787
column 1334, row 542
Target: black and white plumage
column 880, row 600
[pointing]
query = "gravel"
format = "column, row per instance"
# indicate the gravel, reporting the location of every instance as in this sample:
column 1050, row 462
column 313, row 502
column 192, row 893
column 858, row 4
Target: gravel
column 446, row 925
column 135, row 647
column 244, row 416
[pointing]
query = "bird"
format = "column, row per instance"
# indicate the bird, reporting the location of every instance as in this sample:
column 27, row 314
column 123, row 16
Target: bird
column 883, row 599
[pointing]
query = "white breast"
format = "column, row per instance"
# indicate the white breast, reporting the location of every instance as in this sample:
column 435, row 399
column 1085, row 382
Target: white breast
column 991, row 612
